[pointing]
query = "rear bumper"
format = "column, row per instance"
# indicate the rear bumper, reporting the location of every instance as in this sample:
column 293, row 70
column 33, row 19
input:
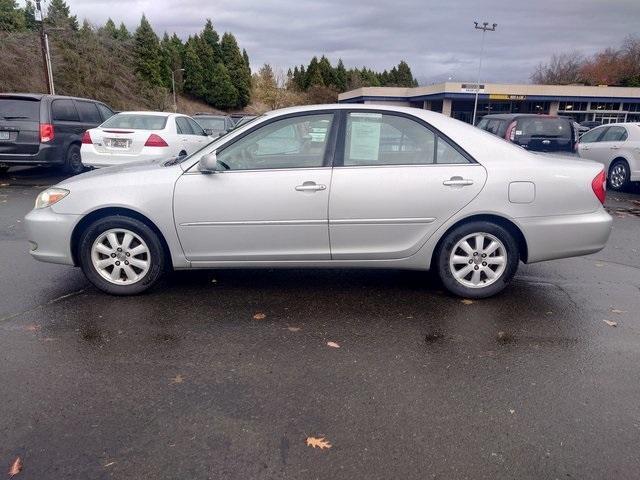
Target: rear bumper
column 92, row 158
column 562, row 236
column 47, row 155
column 49, row 234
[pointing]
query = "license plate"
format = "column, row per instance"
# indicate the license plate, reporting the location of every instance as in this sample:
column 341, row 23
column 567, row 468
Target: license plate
column 117, row 142
column 4, row 135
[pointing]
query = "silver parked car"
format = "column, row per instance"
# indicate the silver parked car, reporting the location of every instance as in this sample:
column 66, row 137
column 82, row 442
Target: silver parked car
column 329, row 186
column 617, row 147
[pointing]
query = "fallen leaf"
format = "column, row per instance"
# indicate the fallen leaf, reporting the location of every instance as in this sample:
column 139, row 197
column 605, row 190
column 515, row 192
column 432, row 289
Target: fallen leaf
column 333, row 345
column 610, row 323
column 4, row 184
column 109, row 464
column 615, row 310
column 599, row 264
column 16, row 467
column 259, row 316
column 320, row 443
column 294, row 329
column 32, row 328
column 466, row 301
column 549, row 313
column 177, row 379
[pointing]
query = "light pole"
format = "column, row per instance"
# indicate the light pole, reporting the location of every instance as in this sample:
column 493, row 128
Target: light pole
column 173, row 86
column 485, row 28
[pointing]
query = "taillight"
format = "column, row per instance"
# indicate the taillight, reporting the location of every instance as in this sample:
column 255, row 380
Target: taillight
column 511, row 132
column 46, row 132
column 599, row 185
column 155, row 141
column 86, row 138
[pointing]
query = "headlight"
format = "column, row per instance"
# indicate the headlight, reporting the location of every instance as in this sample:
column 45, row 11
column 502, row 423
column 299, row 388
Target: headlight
column 50, row 196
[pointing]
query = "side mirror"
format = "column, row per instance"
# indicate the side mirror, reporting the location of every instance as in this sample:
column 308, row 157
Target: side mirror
column 208, row 163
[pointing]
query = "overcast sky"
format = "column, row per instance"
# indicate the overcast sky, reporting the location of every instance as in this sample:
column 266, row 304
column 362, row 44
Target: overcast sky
column 437, row 39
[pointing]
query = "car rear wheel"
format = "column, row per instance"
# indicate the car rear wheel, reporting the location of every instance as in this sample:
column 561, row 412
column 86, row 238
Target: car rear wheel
column 73, row 163
column 121, row 255
column 477, row 259
column 619, row 175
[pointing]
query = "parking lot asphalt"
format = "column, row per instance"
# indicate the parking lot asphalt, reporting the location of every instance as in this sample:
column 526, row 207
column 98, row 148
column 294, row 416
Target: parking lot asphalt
column 190, row 382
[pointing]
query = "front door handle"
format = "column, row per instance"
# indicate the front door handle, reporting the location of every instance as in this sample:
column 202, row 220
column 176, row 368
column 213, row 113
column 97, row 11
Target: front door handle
column 614, row 147
column 310, row 187
column 457, row 182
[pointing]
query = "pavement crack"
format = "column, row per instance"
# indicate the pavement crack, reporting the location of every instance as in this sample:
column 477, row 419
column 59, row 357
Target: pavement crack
column 11, row 316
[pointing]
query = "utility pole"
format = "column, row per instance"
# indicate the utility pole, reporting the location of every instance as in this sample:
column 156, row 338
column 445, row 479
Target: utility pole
column 46, row 56
column 173, row 85
column 485, row 28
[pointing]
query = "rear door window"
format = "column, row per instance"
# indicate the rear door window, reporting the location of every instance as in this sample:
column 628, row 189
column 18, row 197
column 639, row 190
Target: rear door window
column 544, row 127
column 592, row 135
column 195, row 128
column 88, row 112
column 615, row 134
column 19, row 109
column 183, row 126
column 64, row 110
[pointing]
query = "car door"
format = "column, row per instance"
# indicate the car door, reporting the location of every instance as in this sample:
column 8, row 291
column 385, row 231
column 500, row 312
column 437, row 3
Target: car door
column 66, row 123
column 591, row 147
column 396, row 180
column 184, row 135
column 269, row 200
column 612, row 144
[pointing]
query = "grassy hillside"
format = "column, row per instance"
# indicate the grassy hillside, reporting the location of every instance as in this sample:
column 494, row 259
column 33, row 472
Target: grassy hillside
column 92, row 66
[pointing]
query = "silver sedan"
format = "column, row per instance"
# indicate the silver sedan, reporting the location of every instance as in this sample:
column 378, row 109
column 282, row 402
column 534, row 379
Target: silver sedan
column 329, row 186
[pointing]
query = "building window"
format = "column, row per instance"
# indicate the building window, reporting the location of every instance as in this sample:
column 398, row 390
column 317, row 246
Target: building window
column 631, row 107
column 605, row 106
column 573, row 106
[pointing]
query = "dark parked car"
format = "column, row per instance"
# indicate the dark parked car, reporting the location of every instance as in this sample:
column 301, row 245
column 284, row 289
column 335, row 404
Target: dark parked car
column 214, row 125
column 538, row 133
column 37, row 129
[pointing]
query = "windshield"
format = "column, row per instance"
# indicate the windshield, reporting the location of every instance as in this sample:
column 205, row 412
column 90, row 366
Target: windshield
column 136, row 122
column 13, row 108
column 211, row 123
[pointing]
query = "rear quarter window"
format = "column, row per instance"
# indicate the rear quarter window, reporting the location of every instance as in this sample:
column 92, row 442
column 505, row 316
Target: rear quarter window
column 89, row 112
column 18, row 109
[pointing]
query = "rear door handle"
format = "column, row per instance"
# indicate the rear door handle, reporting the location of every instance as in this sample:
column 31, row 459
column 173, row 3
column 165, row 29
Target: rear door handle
column 457, row 182
column 614, row 147
column 310, row 187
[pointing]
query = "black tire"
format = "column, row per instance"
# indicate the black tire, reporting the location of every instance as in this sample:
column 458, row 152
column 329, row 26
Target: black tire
column 444, row 252
column 157, row 256
column 73, row 161
column 620, row 171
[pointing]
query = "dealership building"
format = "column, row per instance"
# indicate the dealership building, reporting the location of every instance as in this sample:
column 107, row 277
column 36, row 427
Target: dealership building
column 602, row 103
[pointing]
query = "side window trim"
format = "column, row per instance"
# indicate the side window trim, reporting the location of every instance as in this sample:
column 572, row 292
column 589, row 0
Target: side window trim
column 339, row 157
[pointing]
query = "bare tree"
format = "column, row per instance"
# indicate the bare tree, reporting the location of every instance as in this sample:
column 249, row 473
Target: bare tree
column 562, row 69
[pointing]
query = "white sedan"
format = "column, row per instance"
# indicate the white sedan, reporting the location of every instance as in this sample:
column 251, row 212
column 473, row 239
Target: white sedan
column 617, row 147
column 134, row 136
column 329, row 186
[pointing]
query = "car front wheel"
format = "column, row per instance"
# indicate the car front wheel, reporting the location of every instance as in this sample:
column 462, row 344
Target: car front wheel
column 477, row 259
column 121, row 255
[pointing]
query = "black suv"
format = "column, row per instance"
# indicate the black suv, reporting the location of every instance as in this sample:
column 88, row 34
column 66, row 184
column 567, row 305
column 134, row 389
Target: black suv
column 539, row 133
column 37, row 129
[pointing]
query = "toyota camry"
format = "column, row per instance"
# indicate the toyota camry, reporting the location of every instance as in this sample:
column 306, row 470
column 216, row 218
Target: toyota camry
column 328, row 186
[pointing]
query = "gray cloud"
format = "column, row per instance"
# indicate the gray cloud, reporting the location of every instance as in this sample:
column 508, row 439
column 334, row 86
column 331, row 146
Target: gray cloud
column 436, row 38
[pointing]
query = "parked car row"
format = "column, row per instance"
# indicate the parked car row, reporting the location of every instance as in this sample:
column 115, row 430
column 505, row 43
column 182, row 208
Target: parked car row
column 616, row 145
column 75, row 133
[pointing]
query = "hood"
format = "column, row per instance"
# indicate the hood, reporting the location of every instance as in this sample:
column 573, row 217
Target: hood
column 135, row 168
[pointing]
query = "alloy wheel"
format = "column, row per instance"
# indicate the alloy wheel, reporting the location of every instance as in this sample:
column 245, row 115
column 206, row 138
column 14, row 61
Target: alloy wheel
column 478, row 260
column 618, row 175
column 120, row 256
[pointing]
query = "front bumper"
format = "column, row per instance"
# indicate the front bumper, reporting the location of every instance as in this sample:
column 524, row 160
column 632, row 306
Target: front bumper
column 561, row 236
column 49, row 234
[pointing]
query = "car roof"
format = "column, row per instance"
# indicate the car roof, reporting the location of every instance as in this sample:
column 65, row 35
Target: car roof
column 147, row 112
column 40, row 96
column 513, row 116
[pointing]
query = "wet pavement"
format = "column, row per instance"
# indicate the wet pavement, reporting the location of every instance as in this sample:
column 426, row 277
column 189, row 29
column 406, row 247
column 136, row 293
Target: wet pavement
column 185, row 383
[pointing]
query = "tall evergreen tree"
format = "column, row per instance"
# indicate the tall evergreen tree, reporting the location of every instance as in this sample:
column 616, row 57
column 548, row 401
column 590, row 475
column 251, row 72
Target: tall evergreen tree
column 59, row 16
column 211, row 37
column 223, row 95
column 110, row 29
column 327, row 72
column 30, row 21
column 314, row 75
column 147, row 53
column 193, row 71
column 123, row 34
column 404, row 77
column 236, row 66
column 341, row 77
column 11, row 17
